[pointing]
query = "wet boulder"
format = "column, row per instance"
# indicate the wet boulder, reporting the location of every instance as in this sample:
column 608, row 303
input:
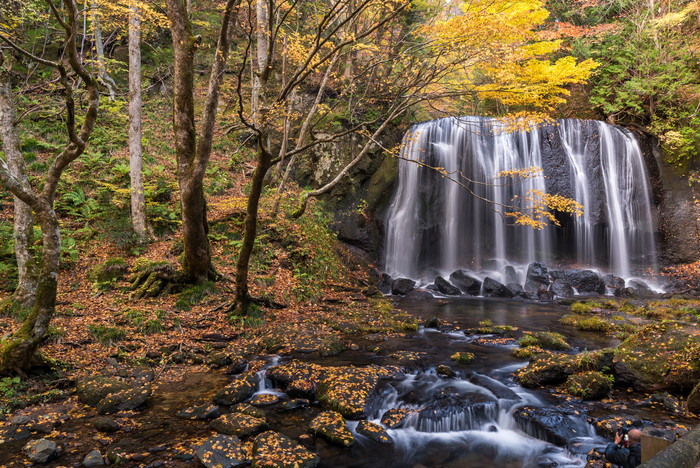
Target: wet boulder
column 446, row 288
column 41, row 451
column 641, row 287
column 613, row 282
column 694, row 400
column 419, row 294
column 585, row 281
column 13, row 433
column 517, row 290
column 562, row 289
column 591, row 385
column 445, row 371
column 275, row 450
column 626, row 293
column 537, row 275
column 432, row 322
column 94, row 388
column 493, row 288
column 125, row 400
column 222, row 451
column 384, row 284
column 550, row 424
column 249, row 410
column 238, row 391
column 550, row 368
column 401, row 286
column 373, row 431
column 331, row 426
column 510, row 275
column 545, row 340
column 106, row 424
column 498, row 389
column 295, row 404
column 455, row 411
column 239, row 425
column 264, row 399
column 467, row 283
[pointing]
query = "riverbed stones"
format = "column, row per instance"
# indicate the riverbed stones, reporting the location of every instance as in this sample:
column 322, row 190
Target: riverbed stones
column 510, row 275
column 401, row 286
column 498, row 389
column 93, row 458
column 550, row 368
column 446, row 288
column 41, row 451
column 493, row 288
column 14, row 433
column 264, row 399
column 275, row 450
column 348, row 389
column 238, row 424
column 613, row 282
column 562, row 289
column 242, row 388
column 545, row 340
column 124, row 400
column 445, row 371
column 295, row 404
column 92, row 389
column 395, row 417
column 467, row 283
column 536, row 276
column 585, row 281
column 200, row 412
column 384, row 284
column 331, row 426
column 245, row 408
column 222, row 451
column 373, row 431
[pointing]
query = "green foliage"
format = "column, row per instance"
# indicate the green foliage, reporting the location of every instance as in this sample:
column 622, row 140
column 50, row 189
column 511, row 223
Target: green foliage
column 194, row 295
column 106, row 334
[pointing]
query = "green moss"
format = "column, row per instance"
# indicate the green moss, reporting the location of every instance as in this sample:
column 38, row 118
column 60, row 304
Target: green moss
column 591, row 385
column 581, row 307
column 592, row 323
column 546, row 340
column 106, row 334
column 463, row 357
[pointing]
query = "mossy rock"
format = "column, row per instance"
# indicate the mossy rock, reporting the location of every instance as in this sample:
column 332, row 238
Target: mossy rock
column 660, row 357
column 125, row 400
column 238, row 391
column 92, row 389
column 694, row 400
column 222, row 451
column 550, row 368
column 373, row 431
column 331, row 426
column 111, row 270
column 395, row 417
column 463, row 357
column 274, row 450
column 545, row 340
column 239, row 425
column 592, row 385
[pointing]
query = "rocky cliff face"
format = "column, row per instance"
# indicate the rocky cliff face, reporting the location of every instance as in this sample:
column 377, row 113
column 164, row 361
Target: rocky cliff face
column 679, row 213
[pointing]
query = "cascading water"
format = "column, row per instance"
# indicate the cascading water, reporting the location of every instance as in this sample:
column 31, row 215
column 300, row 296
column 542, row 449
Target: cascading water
column 435, row 226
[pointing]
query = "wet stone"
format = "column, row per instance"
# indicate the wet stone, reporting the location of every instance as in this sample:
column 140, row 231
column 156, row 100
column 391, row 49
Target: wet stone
column 239, row 424
column 94, row 458
column 238, row 365
column 373, row 431
column 274, row 450
column 200, row 412
column 291, row 405
column 331, row 426
column 245, row 408
column 445, row 371
column 222, row 451
column 395, row 417
column 92, row 389
column 242, row 388
column 264, row 399
column 41, row 451
column 125, row 400
column 105, row 424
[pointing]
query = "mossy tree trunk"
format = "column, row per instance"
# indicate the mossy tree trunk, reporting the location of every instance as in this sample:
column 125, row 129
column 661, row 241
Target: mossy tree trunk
column 192, row 151
column 18, row 352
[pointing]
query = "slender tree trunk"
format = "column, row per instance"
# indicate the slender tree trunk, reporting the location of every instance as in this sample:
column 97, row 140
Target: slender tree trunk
column 242, row 297
column 138, row 200
column 24, row 220
column 99, row 47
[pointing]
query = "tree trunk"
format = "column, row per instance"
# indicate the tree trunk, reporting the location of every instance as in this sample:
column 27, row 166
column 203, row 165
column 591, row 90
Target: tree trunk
column 193, row 156
column 19, row 352
column 24, row 220
column 242, row 298
column 138, row 200
column 99, row 48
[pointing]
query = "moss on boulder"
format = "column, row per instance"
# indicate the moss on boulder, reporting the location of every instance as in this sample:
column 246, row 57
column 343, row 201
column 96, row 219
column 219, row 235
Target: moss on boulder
column 331, row 426
column 591, row 385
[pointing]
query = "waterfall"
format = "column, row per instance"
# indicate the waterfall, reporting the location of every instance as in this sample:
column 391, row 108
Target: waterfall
column 435, row 226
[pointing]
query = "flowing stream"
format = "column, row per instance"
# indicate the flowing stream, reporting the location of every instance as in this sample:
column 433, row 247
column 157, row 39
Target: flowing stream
column 435, row 226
